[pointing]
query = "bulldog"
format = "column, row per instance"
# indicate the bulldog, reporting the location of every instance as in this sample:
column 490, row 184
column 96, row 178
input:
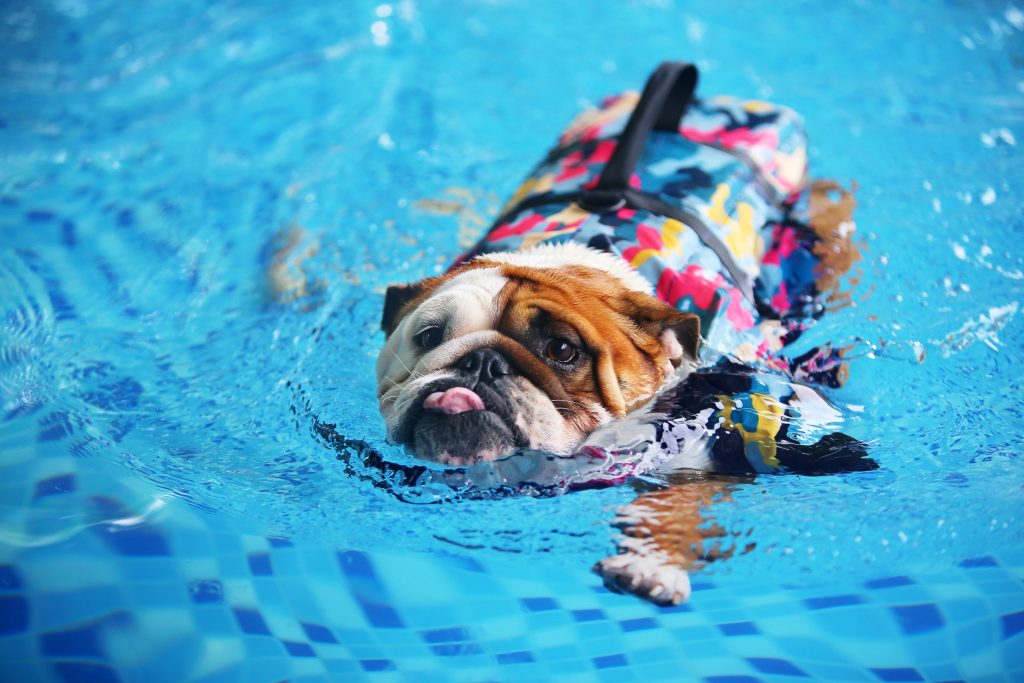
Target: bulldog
column 659, row 223
column 532, row 349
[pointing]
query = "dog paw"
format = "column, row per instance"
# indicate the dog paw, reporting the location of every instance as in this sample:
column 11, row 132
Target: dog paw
column 645, row 577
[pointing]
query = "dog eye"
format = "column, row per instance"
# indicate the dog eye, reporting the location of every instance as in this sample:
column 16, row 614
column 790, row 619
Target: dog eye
column 429, row 338
column 561, row 351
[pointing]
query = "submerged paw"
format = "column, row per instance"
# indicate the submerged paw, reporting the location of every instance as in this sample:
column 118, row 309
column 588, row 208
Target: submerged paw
column 645, row 577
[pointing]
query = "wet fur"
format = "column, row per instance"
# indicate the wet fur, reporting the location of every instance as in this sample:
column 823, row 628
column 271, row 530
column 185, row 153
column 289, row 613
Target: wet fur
column 664, row 532
column 630, row 344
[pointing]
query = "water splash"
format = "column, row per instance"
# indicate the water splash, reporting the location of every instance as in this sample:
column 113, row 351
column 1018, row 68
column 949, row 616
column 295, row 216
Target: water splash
column 985, row 329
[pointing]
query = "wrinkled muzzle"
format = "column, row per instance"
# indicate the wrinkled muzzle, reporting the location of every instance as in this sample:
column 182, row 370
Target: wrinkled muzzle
column 474, row 413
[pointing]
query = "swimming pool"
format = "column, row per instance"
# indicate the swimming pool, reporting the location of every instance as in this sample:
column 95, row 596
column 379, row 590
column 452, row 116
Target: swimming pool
column 167, row 511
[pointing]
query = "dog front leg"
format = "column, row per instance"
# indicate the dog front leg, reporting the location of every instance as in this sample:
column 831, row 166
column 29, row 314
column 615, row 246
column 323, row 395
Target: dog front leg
column 665, row 534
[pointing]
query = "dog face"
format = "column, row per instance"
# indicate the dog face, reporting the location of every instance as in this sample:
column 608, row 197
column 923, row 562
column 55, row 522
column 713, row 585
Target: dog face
column 497, row 355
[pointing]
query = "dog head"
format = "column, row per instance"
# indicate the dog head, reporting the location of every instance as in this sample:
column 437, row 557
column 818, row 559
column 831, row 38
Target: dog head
column 531, row 349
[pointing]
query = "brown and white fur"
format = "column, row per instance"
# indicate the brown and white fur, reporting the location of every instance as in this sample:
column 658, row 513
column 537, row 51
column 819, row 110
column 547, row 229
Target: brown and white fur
column 485, row 383
column 532, row 349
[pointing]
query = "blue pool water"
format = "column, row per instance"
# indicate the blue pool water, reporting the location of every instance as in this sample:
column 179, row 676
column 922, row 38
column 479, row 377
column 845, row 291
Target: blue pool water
column 166, row 512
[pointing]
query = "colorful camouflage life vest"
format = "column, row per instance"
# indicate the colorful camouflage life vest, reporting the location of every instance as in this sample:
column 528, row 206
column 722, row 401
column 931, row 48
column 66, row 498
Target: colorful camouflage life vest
column 707, row 199
column 698, row 195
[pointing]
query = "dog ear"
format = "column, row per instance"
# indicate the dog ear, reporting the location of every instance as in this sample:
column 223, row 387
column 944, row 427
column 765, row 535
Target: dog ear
column 679, row 332
column 681, row 337
column 395, row 300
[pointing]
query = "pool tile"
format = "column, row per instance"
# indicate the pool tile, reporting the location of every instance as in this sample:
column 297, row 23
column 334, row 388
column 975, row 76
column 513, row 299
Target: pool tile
column 975, row 637
column 341, row 666
column 839, row 672
column 251, row 621
column 215, row 620
column 558, row 653
column 539, row 604
column 856, row 623
column 890, row 582
column 597, row 629
column 259, row 647
column 14, row 613
column 455, row 634
column 642, row 624
column 965, row 609
column 519, row 657
column 588, row 614
column 76, row 672
column 777, row 667
column 914, row 619
column 1000, row 588
column 975, row 562
column 317, row 633
column 610, row 661
column 739, row 628
column 897, row 674
column 456, row 649
column 552, row 619
column 379, row 615
column 142, row 540
column 1012, row 624
column 833, row 601
column 946, row 671
column 700, row 632
column 55, row 485
column 40, row 215
column 614, row 675
column 298, row 649
column 353, row 636
column 259, row 564
column 80, row 641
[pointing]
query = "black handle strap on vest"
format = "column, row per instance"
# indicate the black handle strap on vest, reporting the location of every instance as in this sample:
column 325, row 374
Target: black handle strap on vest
column 666, row 96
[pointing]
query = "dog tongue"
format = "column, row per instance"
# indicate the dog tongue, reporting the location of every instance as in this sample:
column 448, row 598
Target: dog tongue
column 453, row 401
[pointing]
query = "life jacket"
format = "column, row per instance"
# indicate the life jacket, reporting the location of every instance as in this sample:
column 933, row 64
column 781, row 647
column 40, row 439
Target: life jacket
column 702, row 196
column 708, row 199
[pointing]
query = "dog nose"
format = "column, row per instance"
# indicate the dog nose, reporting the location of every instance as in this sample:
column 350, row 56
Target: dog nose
column 487, row 364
